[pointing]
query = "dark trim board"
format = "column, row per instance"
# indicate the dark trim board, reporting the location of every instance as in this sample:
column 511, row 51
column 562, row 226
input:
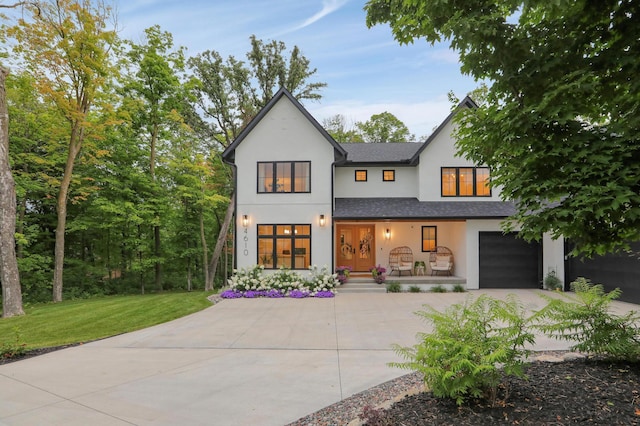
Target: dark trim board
column 508, row 262
column 621, row 270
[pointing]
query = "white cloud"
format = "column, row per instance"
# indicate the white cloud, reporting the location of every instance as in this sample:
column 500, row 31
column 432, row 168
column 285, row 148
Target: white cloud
column 328, row 7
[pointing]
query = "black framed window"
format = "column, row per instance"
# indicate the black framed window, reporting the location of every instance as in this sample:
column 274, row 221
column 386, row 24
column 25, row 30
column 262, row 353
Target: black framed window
column 361, row 175
column 429, row 238
column 284, row 176
column 284, row 246
column 388, row 175
column 465, row 182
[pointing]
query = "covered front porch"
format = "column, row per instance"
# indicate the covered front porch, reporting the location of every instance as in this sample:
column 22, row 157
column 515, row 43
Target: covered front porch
column 362, row 245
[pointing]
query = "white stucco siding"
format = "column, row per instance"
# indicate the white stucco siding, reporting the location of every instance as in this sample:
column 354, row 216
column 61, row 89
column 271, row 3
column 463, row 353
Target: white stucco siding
column 553, row 256
column 405, row 185
column 284, row 134
column 441, row 152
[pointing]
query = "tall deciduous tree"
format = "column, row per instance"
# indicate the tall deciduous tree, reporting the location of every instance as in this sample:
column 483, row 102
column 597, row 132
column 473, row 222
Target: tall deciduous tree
column 560, row 128
column 66, row 48
column 337, row 127
column 155, row 85
column 384, row 127
column 9, row 275
column 230, row 93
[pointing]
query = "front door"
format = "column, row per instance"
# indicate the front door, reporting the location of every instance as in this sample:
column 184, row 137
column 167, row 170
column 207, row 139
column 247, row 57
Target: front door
column 356, row 247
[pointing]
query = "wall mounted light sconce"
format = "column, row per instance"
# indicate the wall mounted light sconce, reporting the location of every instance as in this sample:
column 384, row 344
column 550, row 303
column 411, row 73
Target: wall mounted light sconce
column 245, row 220
column 387, row 234
column 322, row 221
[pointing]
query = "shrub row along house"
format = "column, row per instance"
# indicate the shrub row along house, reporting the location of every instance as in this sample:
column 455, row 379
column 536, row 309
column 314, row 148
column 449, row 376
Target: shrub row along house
column 303, row 199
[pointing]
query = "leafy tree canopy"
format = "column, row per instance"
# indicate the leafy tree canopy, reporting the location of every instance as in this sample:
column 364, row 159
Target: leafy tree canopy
column 231, row 92
column 339, row 130
column 561, row 121
column 384, row 127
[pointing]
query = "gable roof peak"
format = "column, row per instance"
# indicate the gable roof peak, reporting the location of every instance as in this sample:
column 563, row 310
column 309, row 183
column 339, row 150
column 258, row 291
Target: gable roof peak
column 229, row 152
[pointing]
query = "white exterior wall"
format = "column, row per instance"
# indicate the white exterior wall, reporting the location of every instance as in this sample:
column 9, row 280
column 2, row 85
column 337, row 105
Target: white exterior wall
column 441, row 152
column 284, row 134
column 405, row 185
column 552, row 256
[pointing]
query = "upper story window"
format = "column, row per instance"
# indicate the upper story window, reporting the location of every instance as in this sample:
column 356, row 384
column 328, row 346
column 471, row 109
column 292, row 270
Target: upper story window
column 465, row 182
column 284, row 176
column 388, row 175
column 361, row 175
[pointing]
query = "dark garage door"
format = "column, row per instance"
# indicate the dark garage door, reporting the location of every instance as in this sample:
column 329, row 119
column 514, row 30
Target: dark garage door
column 508, row 262
column 613, row 270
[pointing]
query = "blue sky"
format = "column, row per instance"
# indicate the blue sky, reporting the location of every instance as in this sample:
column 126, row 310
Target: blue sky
column 366, row 70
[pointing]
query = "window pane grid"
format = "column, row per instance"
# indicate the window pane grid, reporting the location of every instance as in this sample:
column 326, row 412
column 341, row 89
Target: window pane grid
column 465, row 182
column 284, row 177
column 284, row 246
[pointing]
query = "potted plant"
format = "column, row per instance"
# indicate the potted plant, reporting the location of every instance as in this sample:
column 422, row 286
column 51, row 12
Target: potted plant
column 343, row 273
column 377, row 272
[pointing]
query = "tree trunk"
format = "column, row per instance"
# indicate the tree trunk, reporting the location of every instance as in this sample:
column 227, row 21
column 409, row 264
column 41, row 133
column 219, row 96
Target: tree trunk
column 61, row 209
column 205, row 248
column 9, row 275
column 222, row 236
column 157, row 248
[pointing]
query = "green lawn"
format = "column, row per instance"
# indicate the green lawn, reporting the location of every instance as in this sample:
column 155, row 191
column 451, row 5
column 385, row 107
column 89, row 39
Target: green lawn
column 75, row 321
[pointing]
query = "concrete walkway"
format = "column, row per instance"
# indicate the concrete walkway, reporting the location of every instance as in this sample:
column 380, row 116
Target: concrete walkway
column 240, row 362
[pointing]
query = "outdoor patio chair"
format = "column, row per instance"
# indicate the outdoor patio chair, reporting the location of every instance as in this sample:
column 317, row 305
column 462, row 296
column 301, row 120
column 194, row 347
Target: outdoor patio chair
column 441, row 260
column 401, row 259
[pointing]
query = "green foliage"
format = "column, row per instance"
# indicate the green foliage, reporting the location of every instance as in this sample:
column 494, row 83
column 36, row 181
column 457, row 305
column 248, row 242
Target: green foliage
column 552, row 282
column 384, row 127
column 558, row 126
column 415, row 289
column 394, row 287
column 13, row 348
column 459, row 288
column 231, row 92
column 471, row 347
column 438, row 289
column 337, row 127
column 586, row 320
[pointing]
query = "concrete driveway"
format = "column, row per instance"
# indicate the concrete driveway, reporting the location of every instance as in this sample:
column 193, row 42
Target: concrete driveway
column 240, row 362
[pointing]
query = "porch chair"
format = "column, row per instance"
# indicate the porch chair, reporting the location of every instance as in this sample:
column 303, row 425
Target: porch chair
column 401, row 259
column 441, row 260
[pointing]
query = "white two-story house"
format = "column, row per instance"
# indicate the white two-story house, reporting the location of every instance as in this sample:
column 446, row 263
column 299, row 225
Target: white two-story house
column 303, row 199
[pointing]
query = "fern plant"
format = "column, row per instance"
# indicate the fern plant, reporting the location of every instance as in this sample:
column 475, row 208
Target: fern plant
column 587, row 320
column 471, row 348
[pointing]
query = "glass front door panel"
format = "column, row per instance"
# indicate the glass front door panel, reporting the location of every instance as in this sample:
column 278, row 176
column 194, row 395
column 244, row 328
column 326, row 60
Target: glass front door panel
column 356, row 247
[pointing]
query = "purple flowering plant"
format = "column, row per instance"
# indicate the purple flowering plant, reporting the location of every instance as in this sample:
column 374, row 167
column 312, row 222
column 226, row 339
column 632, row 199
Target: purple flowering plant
column 343, row 273
column 377, row 272
column 252, row 283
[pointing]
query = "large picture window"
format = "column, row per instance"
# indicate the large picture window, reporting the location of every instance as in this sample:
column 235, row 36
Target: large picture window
column 429, row 238
column 465, row 182
column 284, row 176
column 287, row 246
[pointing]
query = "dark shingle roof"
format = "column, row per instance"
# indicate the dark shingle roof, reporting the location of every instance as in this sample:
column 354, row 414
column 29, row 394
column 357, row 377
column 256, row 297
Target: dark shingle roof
column 392, row 152
column 411, row 208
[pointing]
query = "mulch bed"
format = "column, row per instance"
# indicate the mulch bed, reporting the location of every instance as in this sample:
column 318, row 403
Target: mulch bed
column 571, row 392
column 34, row 352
